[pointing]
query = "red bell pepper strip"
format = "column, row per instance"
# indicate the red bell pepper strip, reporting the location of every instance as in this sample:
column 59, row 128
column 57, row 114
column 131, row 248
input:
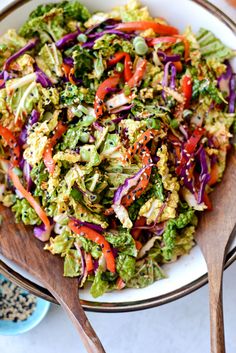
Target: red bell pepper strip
column 12, row 143
column 190, row 147
column 138, row 74
column 141, row 141
column 207, row 201
column 117, row 57
column 214, row 175
column 187, row 89
column 88, row 261
column 47, row 155
column 27, row 195
column 143, row 25
column 166, row 39
column 192, row 142
column 138, row 244
column 178, row 65
column 136, row 232
column 97, row 238
column 102, row 91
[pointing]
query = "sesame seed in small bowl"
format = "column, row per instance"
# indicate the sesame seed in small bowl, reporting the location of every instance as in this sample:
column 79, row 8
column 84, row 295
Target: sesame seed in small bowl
column 20, row 311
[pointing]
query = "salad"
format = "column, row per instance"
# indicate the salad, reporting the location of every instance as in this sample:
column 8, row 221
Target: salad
column 114, row 130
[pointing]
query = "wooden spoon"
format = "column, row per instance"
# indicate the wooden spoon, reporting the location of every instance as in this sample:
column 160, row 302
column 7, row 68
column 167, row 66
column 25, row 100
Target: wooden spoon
column 18, row 244
column 215, row 231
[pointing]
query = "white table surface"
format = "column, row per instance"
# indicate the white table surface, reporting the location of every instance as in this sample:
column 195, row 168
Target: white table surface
column 178, row 327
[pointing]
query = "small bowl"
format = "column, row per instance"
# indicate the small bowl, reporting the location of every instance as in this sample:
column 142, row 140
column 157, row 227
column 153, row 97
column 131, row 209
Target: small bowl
column 10, row 328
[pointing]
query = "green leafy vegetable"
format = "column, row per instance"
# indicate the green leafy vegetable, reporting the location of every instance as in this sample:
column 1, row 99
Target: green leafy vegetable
column 73, row 94
column 49, row 27
column 169, row 235
column 123, row 241
column 147, row 271
column 206, row 87
column 61, row 244
column 25, row 213
column 72, row 264
column 212, row 47
column 49, row 61
column 125, row 266
column 90, row 247
column 100, row 285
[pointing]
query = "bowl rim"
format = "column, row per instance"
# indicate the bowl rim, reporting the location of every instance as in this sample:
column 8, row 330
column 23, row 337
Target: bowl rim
column 124, row 306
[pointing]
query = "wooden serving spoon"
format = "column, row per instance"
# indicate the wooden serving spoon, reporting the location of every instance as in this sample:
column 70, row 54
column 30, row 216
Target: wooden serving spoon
column 215, row 231
column 17, row 243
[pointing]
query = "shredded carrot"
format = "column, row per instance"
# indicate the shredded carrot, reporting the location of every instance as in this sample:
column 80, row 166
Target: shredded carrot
column 47, row 155
column 88, row 261
column 214, row 175
column 12, row 143
column 27, row 195
column 138, row 245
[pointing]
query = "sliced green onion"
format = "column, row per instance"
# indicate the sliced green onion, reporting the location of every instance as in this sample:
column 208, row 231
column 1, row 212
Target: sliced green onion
column 99, row 67
column 84, row 137
column 126, row 90
column 119, row 67
column 153, row 123
column 88, row 120
column 140, row 46
column 82, row 38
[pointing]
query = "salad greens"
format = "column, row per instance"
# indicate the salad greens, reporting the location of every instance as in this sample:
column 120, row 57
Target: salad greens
column 114, row 130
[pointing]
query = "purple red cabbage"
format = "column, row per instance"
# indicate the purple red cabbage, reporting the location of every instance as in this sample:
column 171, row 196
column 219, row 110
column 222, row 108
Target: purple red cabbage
column 226, row 83
column 168, row 58
column 42, row 233
column 122, row 108
column 97, row 126
column 30, row 45
column 89, row 44
column 23, row 136
column 34, row 117
column 223, row 80
column 93, row 226
column 204, row 175
column 42, row 78
column 95, row 36
column 4, row 76
column 173, row 77
column 165, row 80
column 109, row 23
column 128, row 184
column 67, row 39
column 68, row 61
column 232, row 93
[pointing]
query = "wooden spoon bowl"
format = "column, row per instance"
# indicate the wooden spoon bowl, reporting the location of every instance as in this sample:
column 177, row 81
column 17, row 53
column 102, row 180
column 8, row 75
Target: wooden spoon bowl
column 214, row 234
column 18, row 244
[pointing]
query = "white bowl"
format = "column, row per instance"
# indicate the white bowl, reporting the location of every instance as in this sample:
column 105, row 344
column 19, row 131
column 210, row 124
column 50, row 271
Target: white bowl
column 189, row 272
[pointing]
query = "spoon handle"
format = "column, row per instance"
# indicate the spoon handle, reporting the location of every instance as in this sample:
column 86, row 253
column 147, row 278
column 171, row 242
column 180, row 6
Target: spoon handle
column 215, row 274
column 74, row 310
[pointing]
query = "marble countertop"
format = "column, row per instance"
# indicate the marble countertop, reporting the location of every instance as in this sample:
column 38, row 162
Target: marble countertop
column 181, row 326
